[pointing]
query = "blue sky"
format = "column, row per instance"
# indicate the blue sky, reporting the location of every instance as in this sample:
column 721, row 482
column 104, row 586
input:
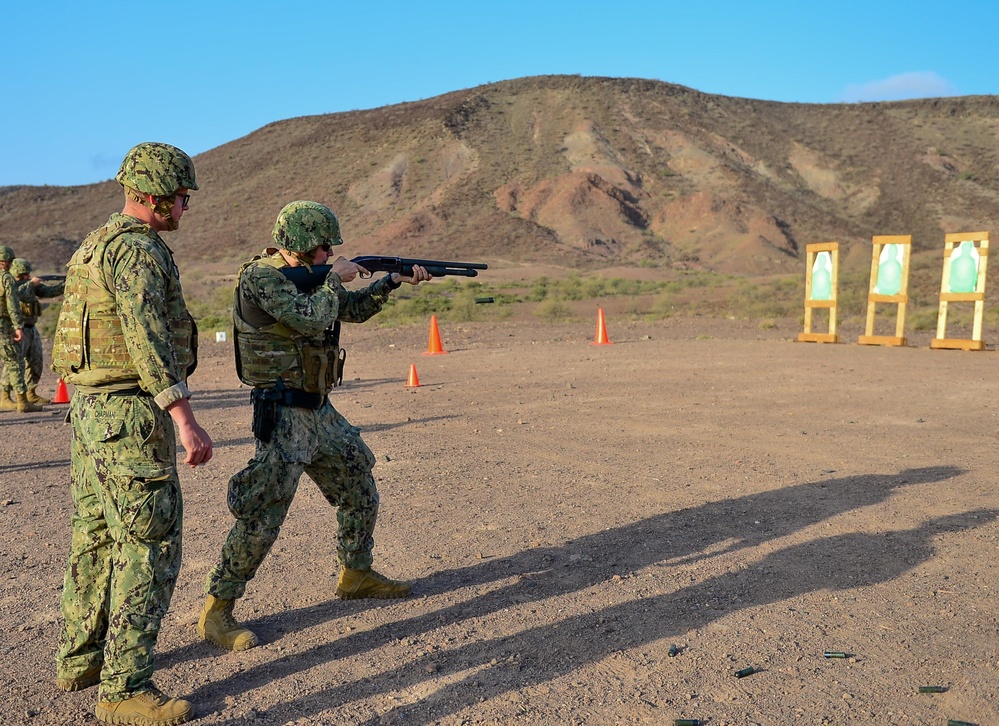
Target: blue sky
column 82, row 82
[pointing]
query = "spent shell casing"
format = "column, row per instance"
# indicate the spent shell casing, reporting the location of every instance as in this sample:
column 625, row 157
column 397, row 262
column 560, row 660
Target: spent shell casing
column 957, row 722
column 686, row 722
column 673, row 650
column 484, row 300
column 835, row 654
column 932, row 689
column 743, row 672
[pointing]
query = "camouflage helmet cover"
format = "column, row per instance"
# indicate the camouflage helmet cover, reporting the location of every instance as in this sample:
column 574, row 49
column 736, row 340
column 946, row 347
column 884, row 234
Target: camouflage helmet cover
column 302, row 226
column 6, row 253
column 20, row 266
column 154, row 168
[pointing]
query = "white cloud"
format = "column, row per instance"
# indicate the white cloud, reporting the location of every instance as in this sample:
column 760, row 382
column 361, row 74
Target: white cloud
column 925, row 84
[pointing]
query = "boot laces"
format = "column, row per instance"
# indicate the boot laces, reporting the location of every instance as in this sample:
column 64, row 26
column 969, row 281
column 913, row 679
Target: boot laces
column 229, row 619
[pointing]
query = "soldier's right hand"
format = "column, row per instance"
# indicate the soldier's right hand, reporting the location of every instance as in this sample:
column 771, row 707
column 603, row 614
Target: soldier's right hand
column 197, row 443
column 347, row 270
column 18, row 334
column 195, row 440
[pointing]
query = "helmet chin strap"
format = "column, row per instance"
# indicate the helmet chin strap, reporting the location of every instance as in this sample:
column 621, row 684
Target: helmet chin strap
column 305, row 259
column 162, row 208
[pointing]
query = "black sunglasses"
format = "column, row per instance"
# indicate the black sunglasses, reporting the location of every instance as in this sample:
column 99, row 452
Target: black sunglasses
column 184, row 200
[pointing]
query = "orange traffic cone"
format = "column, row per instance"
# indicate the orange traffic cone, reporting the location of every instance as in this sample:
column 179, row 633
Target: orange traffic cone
column 414, row 380
column 434, row 346
column 601, row 336
column 61, row 394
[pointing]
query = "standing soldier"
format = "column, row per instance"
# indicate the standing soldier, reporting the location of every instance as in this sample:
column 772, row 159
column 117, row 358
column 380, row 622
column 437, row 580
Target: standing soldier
column 11, row 332
column 283, row 350
column 29, row 290
column 127, row 342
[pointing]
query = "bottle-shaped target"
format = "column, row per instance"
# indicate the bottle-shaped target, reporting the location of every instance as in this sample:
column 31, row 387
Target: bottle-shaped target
column 889, row 270
column 964, row 268
column 822, row 276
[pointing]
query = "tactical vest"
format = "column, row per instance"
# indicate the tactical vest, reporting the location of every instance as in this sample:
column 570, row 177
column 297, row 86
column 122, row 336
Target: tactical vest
column 6, row 316
column 31, row 308
column 267, row 350
column 89, row 347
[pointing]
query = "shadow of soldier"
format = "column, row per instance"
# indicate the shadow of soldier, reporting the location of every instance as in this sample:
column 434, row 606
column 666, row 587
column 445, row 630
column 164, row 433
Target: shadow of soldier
column 548, row 652
column 538, row 574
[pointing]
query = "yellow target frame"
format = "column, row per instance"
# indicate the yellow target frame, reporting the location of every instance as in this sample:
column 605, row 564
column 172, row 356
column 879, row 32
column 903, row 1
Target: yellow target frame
column 977, row 297
column 811, row 251
column 901, row 299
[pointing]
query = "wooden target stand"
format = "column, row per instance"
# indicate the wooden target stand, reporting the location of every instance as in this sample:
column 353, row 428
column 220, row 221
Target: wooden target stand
column 811, row 252
column 980, row 240
column 899, row 298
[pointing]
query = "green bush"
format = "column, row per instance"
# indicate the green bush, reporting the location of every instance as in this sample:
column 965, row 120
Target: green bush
column 553, row 311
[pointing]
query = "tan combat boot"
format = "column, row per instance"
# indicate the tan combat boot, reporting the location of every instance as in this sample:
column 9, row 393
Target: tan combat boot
column 25, row 406
column 150, row 708
column 217, row 625
column 89, row 677
column 357, row 584
column 6, row 402
column 33, row 397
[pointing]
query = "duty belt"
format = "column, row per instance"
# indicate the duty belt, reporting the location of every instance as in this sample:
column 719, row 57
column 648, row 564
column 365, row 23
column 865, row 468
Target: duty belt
column 104, row 391
column 288, row 396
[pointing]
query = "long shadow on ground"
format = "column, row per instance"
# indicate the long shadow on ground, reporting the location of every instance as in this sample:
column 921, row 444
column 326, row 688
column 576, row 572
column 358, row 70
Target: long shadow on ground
column 549, row 651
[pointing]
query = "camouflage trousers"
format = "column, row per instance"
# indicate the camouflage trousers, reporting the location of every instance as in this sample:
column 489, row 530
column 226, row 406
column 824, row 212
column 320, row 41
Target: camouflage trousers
column 31, row 358
column 125, row 552
column 31, row 354
column 322, row 444
column 11, row 361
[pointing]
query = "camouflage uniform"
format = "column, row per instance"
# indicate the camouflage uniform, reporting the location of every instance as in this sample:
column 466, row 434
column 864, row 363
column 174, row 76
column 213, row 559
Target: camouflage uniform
column 31, row 342
column 127, row 342
column 275, row 323
column 11, row 319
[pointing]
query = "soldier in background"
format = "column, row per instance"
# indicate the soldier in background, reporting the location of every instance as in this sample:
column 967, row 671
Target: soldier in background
column 127, row 342
column 11, row 333
column 29, row 290
column 285, row 351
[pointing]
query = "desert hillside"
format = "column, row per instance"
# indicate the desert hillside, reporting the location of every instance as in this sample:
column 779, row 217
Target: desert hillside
column 584, row 172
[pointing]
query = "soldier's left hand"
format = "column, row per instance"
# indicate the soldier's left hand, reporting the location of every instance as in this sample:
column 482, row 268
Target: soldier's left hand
column 419, row 275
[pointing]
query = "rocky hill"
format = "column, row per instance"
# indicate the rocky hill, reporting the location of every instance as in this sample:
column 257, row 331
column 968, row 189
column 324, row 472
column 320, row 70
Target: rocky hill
column 582, row 172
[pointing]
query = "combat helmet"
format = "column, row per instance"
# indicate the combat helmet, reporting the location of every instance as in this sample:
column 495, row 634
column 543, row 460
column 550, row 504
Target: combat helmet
column 20, row 266
column 158, row 169
column 6, row 253
column 302, row 226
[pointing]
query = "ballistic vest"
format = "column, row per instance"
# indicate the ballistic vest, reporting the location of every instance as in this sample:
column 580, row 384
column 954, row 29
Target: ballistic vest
column 31, row 308
column 89, row 347
column 266, row 349
column 7, row 282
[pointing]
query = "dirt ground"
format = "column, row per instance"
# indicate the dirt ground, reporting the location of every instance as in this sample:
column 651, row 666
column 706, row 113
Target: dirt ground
column 567, row 513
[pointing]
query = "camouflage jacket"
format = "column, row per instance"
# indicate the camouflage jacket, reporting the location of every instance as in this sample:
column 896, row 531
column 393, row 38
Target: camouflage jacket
column 29, row 293
column 124, row 322
column 274, row 321
column 10, row 309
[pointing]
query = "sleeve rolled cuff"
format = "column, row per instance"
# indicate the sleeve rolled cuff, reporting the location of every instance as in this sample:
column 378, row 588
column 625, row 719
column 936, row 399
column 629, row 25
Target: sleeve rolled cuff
column 164, row 399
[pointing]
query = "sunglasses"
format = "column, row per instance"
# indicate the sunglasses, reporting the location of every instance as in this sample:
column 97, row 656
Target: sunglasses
column 184, row 200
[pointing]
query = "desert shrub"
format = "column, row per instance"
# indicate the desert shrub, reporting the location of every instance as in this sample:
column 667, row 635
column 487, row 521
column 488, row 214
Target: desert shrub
column 553, row 311
column 214, row 311
column 663, row 305
column 924, row 319
column 539, row 290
